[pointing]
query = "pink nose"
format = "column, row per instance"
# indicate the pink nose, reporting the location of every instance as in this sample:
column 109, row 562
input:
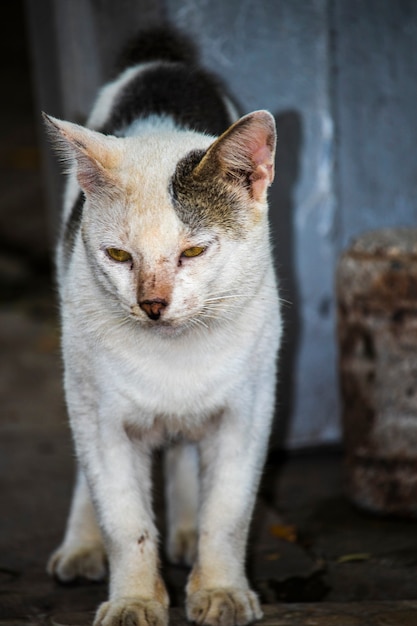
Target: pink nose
column 153, row 308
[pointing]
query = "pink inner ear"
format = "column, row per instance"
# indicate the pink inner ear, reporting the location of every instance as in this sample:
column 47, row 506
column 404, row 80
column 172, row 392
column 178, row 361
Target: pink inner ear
column 262, row 154
column 263, row 158
column 263, row 174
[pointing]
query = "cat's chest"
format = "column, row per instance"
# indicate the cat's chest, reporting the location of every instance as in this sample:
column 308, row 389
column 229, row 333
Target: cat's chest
column 185, row 377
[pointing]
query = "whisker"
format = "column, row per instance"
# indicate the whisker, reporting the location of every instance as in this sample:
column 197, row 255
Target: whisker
column 208, row 316
column 224, row 297
column 214, row 306
column 196, row 321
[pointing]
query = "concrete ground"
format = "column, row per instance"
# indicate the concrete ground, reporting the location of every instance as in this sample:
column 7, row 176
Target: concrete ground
column 313, row 557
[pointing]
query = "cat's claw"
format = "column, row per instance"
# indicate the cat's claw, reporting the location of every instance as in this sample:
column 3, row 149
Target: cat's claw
column 182, row 546
column 86, row 561
column 223, row 607
column 131, row 612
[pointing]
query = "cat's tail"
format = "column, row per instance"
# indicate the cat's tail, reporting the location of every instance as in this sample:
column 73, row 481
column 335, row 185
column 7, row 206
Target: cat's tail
column 163, row 43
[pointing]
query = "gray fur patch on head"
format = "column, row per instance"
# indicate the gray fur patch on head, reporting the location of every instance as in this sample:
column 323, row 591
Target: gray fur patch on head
column 206, row 202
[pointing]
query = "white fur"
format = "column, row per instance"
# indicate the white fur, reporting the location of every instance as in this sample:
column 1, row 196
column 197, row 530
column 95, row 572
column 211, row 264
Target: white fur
column 206, row 377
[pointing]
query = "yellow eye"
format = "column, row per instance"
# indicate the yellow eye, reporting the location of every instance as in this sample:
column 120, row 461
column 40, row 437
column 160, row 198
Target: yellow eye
column 119, row 255
column 194, row 251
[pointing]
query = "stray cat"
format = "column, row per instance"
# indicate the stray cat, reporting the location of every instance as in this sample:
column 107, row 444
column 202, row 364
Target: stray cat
column 170, row 329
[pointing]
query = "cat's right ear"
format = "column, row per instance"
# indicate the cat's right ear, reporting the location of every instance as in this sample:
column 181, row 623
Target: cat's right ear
column 244, row 153
column 96, row 155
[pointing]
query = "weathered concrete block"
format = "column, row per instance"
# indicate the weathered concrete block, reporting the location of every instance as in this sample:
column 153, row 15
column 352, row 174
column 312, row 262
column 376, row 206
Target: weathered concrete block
column 376, row 285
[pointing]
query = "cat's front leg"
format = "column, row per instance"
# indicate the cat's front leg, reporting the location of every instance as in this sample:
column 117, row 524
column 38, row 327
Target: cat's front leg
column 218, row 592
column 119, row 477
column 82, row 553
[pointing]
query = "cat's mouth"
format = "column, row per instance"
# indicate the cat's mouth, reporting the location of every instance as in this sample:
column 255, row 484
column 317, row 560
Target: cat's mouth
column 167, row 327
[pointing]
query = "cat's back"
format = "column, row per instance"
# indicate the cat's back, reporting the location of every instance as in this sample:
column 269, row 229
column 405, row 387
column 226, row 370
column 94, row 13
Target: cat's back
column 160, row 75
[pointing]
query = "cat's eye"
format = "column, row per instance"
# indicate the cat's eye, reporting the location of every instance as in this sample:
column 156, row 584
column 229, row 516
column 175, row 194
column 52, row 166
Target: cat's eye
column 194, row 251
column 121, row 256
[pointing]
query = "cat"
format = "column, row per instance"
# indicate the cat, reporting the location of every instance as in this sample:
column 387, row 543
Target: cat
column 170, row 330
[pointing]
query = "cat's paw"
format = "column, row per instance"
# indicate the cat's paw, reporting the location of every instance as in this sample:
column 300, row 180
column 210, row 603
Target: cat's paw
column 81, row 561
column 182, row 546
column 223, row 607
column 131, row 612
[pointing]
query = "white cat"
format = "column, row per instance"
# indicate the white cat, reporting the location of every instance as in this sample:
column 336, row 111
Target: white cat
column 170, row 329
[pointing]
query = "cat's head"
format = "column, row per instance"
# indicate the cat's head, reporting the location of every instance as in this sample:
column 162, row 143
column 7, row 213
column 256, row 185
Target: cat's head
column 174, row 226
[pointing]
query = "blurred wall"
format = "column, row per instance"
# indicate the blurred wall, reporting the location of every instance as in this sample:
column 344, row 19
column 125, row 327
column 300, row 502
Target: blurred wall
column 340, row 78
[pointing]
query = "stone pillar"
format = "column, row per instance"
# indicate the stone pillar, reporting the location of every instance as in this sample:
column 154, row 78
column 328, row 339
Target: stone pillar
column 376, row 287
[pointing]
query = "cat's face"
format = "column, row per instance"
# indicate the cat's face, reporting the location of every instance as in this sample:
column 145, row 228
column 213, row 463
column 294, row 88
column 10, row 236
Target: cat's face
column 164, row 275
column 170, row 233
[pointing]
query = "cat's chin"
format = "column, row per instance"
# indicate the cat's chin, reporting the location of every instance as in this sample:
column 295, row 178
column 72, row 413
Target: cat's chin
column 168, row 329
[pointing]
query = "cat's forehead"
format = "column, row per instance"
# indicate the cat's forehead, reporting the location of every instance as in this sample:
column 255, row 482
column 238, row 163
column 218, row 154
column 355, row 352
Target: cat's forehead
column 155, row 156
column 145, row 174
column 156, row 175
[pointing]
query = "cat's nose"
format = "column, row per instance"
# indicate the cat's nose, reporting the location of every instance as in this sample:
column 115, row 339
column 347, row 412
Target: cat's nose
column 153, row 308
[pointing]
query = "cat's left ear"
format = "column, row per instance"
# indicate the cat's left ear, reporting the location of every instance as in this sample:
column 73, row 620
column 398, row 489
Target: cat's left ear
column 96, row 154
column 244, row 153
